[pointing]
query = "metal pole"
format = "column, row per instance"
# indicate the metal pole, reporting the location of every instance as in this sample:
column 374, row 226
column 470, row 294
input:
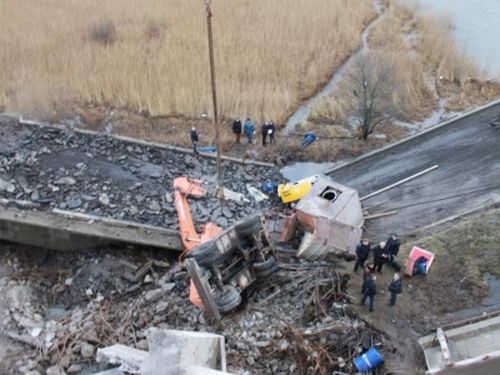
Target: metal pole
column 214, row 98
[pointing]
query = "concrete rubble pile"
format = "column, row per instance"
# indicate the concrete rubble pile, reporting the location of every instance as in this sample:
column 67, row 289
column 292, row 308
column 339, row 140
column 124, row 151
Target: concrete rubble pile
column 46, row 168
column 65, row 308
column 96, row 304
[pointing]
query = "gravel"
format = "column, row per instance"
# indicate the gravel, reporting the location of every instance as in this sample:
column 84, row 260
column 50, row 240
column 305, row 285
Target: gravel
column 103, row 176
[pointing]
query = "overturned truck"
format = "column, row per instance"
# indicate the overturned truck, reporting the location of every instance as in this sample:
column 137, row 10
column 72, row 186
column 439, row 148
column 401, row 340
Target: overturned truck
column 222, row 268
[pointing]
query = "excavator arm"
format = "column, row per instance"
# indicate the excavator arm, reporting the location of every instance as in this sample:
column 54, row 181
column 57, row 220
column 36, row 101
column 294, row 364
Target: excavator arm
column 185, row 187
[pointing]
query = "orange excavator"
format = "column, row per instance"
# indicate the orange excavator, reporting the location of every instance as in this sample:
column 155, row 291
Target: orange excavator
column 184, row 187
column 221, row 263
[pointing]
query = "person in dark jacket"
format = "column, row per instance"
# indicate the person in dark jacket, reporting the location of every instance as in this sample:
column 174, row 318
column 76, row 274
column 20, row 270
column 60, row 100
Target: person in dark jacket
column 264, row 129
column 362, row 253
column 369, row 291
column 380, row 256
column 249, row 130
column 396, row 287
column 272, row 131
column 237, row 129
column 194, row 140
column 367, row 271
column 392, row 245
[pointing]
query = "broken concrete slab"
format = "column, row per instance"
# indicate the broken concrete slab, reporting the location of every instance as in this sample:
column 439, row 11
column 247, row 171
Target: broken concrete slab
column 62, row 230
column 7, row 186
column 128, row 358
column 470, row 347
column 184, row 349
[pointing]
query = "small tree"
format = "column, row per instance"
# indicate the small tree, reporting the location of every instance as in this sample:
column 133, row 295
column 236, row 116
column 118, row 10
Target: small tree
column 371, row 90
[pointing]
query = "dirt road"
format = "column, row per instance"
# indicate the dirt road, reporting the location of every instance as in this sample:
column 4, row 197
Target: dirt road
column 468, row 154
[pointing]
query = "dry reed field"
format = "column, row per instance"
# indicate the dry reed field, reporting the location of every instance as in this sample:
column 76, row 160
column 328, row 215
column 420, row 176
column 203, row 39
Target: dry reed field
column 426, row 66
column 152, row 55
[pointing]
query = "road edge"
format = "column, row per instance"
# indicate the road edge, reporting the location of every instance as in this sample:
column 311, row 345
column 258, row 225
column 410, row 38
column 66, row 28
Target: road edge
column 410, row 138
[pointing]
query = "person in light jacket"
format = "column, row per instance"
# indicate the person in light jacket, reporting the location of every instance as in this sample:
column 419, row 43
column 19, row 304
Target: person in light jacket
column 396, row 287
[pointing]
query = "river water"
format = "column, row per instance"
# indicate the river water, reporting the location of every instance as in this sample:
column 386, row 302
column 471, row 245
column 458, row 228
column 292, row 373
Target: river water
column 476, row 28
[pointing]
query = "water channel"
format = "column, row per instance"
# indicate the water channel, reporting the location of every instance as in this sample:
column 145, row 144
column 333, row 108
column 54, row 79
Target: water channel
column 476, row 26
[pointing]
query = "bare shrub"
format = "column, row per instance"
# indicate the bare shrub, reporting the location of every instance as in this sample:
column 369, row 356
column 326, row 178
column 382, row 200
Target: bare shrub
column 103, row 31
column 370, row 89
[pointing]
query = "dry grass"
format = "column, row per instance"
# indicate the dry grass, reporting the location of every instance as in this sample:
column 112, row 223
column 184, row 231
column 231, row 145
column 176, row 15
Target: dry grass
column 152, row 56
column 426, row 66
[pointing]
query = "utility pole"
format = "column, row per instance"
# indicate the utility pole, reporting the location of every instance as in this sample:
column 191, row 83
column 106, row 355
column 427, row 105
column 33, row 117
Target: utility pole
column 220, row 193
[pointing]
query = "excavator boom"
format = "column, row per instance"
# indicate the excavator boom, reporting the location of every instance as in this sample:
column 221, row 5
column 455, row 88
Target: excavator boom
column 185, row 187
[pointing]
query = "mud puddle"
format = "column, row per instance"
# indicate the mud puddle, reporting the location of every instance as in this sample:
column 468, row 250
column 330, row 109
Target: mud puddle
column 488, row 304
column 301, row 170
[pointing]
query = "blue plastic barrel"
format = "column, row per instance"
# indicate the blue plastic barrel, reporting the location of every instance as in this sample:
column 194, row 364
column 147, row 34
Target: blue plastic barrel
column 369, row 360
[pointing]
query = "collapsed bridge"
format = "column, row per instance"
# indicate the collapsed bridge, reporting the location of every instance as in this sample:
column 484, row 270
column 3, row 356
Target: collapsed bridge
column 69, row 190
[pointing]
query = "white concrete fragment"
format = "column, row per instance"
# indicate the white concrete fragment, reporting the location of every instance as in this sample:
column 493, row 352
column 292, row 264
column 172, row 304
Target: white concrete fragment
column 198, row 370
column 153, row 295
column 55, row 370
column 129, row 359
column 235, row 196
column 87, row 350
column 7, row 186
column 183, row 349
column 65, row 181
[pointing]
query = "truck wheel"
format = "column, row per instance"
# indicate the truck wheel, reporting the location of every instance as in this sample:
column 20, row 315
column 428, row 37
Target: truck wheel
column 266, row 268
column 228, row 299
column 206, row 253
column 250, row 226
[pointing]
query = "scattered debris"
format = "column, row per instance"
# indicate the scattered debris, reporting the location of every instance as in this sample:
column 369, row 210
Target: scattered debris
column 256, row 193
column 293, row 191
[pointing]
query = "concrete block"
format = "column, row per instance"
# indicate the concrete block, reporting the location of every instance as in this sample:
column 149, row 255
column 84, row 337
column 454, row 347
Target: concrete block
column 129, row 359
column 183, row 349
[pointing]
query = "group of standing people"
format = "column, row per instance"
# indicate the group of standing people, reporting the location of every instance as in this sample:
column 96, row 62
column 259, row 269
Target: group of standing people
column 383, row 253
column 268, row 128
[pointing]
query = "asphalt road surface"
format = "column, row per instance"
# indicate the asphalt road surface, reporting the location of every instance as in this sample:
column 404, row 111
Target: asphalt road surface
column 468, row 177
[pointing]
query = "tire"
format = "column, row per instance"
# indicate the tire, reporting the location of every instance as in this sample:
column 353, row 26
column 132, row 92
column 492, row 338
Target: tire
column 250, row 226
column 207, row 253
column 228, row 299
column 266, row 268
